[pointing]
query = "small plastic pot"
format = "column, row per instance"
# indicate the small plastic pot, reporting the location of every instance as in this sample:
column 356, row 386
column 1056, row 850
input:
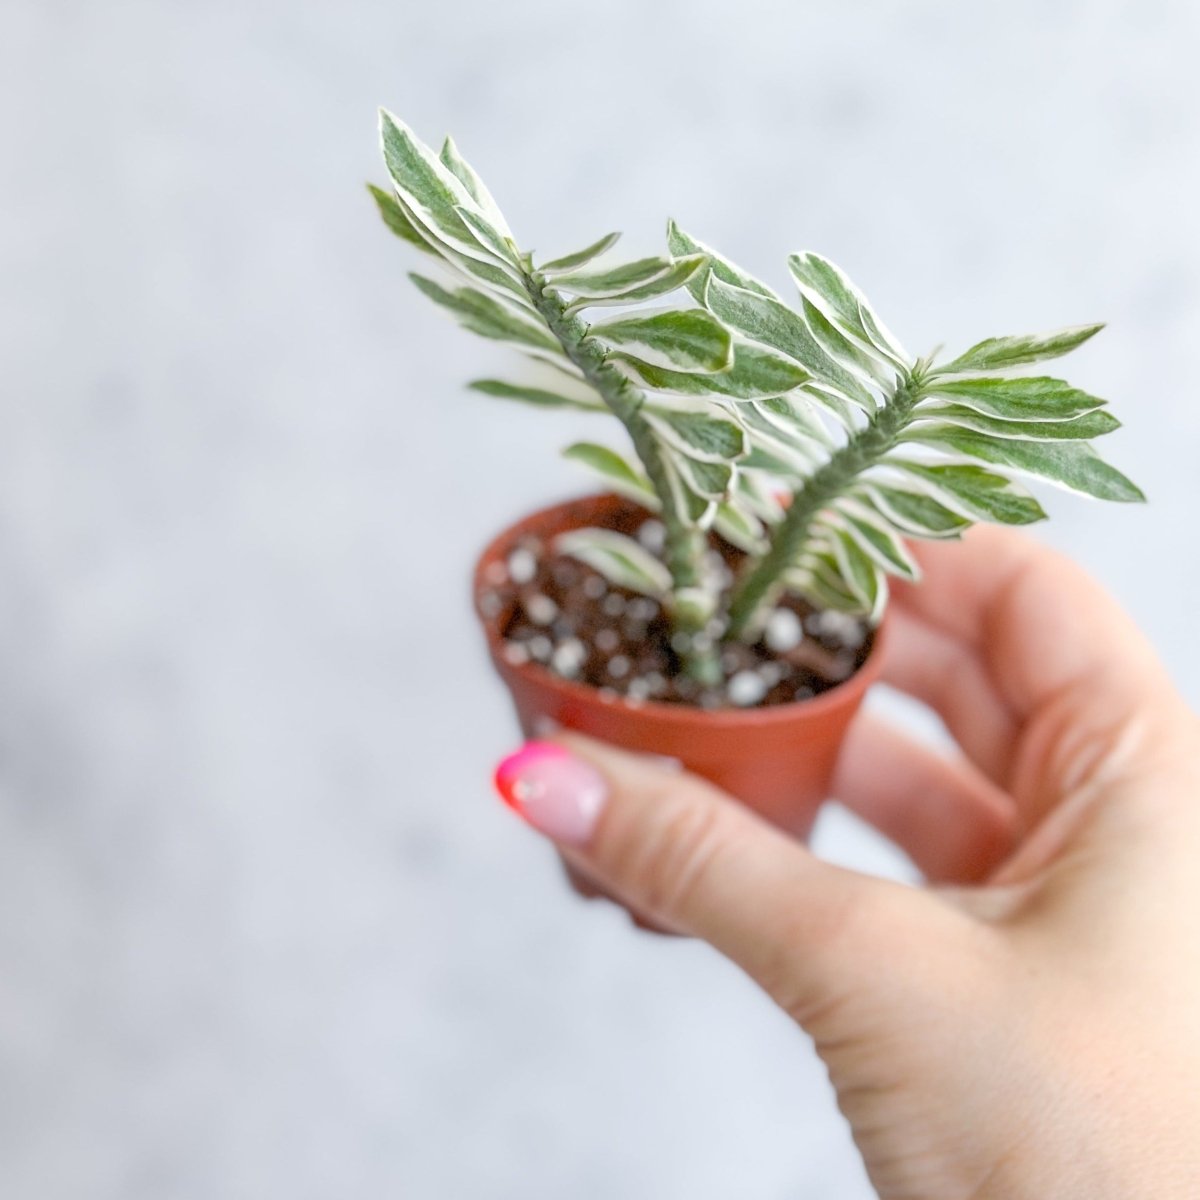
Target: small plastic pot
column 778, row 760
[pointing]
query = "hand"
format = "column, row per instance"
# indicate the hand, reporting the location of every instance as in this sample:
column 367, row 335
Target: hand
column 1029, row 1024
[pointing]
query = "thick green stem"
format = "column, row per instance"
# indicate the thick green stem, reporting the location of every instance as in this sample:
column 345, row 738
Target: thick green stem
column 763, row 580
column 685, row 545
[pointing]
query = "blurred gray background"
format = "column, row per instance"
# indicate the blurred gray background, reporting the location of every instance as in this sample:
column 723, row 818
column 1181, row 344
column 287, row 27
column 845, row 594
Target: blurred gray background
column 264, row 932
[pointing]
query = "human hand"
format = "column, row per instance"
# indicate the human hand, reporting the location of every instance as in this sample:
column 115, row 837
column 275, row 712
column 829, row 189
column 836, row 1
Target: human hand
column 1027, row 1026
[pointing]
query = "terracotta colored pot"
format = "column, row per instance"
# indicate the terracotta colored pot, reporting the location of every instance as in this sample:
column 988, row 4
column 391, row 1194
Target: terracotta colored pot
column 777, row 760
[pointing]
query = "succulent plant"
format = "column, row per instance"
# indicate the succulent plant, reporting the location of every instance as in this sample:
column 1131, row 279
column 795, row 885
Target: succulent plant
column 804, row 434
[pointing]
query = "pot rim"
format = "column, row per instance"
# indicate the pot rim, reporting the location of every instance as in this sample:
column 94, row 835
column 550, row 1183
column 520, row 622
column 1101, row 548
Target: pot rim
column 654, row 711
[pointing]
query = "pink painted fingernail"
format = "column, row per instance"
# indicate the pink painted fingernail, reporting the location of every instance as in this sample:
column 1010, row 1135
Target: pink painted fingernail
column 557, row 793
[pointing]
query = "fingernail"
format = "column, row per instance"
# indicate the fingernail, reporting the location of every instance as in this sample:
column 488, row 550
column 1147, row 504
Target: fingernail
column 557, row 793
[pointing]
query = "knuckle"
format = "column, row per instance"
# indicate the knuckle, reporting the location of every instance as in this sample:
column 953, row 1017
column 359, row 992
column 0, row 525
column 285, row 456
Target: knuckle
column 678, row 859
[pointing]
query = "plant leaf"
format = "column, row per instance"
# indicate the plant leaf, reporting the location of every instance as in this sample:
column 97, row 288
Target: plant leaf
column 820, row 578
column 620, row 559
column 683, row 244
column 489, row 238
column 463, row 171
column 739, row 528
column 569, row 262
column 877, row 540
column 756, row 373
column 782, row 451
column 994, row 354
column 1075, row 465
column 711, row 481
column 796, row 419
column 829, row 289
column 707, row 436
column 487, row 317
column 538, row 397
column 428, row 187
column 683, row 339
column 615, row 470
column 980, row 492
column 699, row 510
column 771, row 323
column 475, row 264
column 396, row 220
column 675, row 276
column 912, row 512
column 1029, row 398
column 1077, row 429
column 848, row 353
column 614, row 280
column 858, row 569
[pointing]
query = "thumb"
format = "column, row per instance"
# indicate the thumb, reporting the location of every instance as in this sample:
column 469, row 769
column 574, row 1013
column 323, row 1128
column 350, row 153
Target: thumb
column 675, row 848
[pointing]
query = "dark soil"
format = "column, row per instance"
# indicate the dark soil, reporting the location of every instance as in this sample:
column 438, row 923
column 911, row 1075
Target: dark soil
column 558, row 612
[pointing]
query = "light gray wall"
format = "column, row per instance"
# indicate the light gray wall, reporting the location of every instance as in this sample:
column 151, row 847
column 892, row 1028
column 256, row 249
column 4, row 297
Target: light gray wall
column 263, row 930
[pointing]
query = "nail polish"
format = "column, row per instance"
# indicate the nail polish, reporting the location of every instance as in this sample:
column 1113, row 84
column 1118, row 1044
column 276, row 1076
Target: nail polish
column 558, row 794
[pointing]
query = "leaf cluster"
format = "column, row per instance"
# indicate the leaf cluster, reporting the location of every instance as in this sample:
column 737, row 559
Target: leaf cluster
column 802, row 430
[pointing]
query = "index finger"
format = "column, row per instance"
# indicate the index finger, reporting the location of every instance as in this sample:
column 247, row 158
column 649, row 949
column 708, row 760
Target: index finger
column 1037, row 622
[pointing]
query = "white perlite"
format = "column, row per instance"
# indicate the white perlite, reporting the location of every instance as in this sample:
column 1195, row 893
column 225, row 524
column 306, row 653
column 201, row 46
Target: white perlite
column 652, row 535
column 516, row 654
column 568, row 657
column 540, row 609
column 522, row 566
column 746, row 688
column 618, row 666
column 784, row 630
column 607, row 640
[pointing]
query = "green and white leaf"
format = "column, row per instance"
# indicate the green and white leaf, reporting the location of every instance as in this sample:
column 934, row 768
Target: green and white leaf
column 570, row 262
column 819, row 577
column 911, row 512
column 538, row 397
column 466, row 175
column 771, row 323
column 662, row 284
column 861, row 577
column 395, row 218
column 998, row 354
column 870, row 368
column 975, row 491
column 759, row 493
column 484, row 268
column 756, row 373
column 486, row 316
column 1074, row 465
column 796, row 419
column 620, row 559
column 739, row 527
column 431, row 192
column 689, row 340
column 682, row 245
column 829, row 289
column 778, row 450
column 709, row 436
column 1078, row 429
column 616, row 471
column 710, row 481
column 1029, row 398
column 877, row 539
column 490, row 239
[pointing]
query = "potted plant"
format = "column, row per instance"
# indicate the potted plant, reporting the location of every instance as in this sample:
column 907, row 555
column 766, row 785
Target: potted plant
column 723, row 601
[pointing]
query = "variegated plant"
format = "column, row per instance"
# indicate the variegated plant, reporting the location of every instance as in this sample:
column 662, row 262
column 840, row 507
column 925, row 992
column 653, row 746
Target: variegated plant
column 806, row 435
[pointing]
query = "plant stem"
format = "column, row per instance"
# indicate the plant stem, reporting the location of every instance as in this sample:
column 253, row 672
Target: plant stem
column 762, row 580
column 685, row 545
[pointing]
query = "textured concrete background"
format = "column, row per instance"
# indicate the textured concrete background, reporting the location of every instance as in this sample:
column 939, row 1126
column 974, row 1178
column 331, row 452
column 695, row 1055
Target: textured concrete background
column 263, row 931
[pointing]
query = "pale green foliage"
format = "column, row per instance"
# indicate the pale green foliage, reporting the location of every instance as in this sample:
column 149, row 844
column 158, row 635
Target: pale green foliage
column 619, row 559
column 735, row 398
